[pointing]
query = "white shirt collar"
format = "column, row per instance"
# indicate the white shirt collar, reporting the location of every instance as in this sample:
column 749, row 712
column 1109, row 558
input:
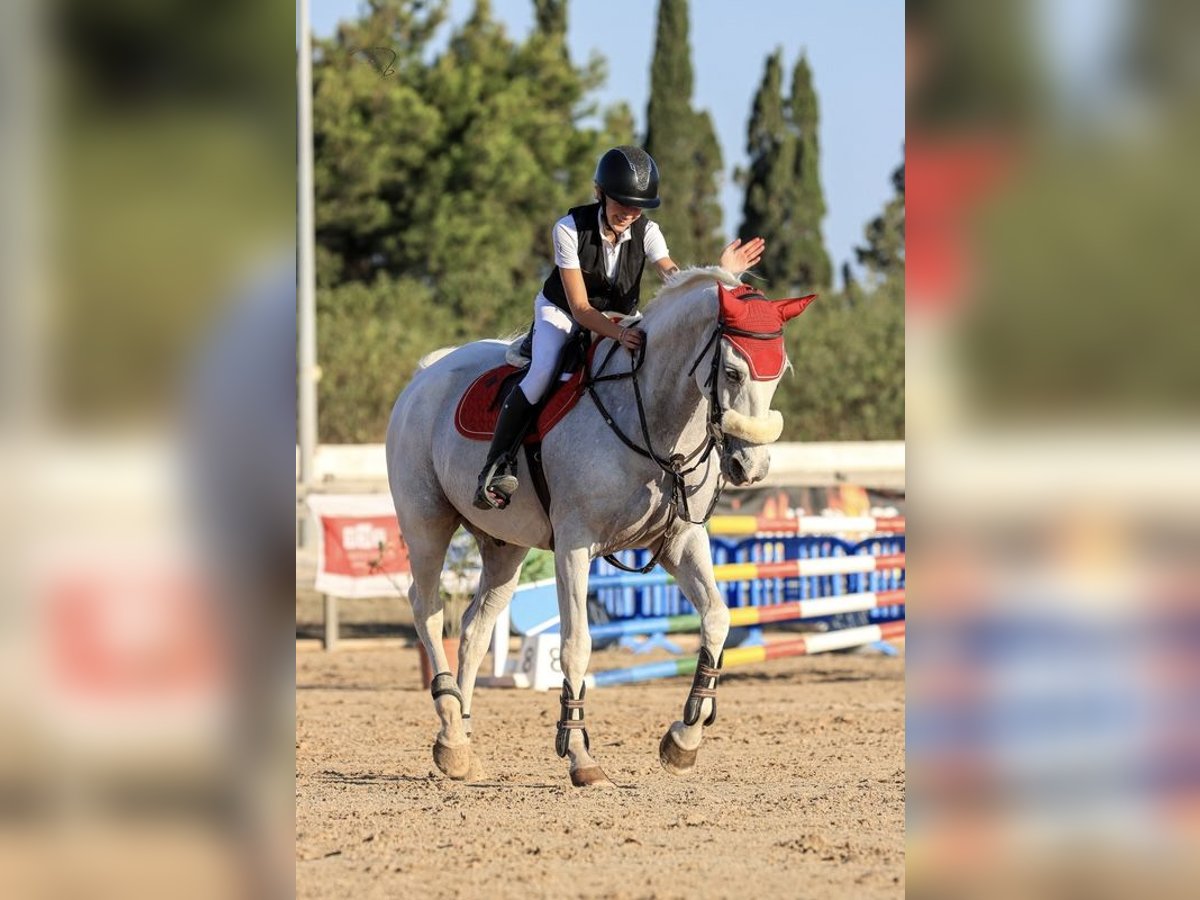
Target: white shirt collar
column 624, row 236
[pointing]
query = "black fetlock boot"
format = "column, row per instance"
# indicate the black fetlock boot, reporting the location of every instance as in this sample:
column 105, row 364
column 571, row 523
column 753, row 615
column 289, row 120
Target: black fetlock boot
column 495, row 487
column 570, row 720
column 704, row 687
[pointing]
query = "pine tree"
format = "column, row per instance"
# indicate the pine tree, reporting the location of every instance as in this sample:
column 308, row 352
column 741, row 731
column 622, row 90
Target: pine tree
column 684, row 144
column 438, row 182
column 373, row 130
column 812, row 269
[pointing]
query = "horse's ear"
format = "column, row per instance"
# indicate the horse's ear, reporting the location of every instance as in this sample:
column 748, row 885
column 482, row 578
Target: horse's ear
column 789, row 309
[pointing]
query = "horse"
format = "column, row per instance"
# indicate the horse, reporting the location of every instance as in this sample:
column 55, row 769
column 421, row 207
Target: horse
column 635, row 464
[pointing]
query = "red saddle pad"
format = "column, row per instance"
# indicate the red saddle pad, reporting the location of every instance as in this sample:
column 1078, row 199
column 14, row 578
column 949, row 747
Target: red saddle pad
column 478, row 408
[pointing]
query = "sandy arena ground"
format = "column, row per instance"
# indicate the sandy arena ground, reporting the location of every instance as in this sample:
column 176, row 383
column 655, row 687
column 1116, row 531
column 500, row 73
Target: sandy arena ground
column 799, row 789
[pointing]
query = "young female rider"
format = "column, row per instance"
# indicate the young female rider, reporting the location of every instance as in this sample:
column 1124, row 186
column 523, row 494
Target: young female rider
column 599, row 252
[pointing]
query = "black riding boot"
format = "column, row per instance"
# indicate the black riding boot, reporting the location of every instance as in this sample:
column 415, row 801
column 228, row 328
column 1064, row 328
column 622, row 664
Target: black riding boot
column 516, row 415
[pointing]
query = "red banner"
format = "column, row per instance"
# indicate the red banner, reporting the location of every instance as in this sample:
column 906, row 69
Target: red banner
column 360, row 546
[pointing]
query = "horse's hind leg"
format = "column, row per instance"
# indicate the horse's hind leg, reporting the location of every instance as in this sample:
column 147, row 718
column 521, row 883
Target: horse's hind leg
column 427, row 546
column 501, row 569
column 689, row 560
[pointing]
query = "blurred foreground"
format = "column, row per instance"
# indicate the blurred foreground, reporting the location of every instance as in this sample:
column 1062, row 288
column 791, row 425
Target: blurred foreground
column 147, row 397
column 1053, row 716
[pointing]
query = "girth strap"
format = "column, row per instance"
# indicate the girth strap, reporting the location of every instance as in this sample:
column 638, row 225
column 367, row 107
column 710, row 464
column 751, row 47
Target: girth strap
column 533, row 460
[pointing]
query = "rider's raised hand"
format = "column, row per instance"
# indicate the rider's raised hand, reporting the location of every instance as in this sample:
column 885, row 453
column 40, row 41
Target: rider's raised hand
column 738, row 257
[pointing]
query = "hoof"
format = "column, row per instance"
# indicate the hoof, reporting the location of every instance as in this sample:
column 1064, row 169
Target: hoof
column 454, row 762
column 674, row 758
column 592, row 776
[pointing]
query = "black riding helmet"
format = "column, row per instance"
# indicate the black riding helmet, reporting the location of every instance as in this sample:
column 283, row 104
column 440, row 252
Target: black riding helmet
column 629, row 176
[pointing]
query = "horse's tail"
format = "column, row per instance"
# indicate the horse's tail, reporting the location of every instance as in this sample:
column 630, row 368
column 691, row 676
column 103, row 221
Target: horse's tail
column 430, row 358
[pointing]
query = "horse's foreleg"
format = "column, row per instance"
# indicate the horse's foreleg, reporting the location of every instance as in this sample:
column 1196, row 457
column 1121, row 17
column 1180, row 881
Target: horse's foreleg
column 501, row 568
column 571, row 569
column 689, row 560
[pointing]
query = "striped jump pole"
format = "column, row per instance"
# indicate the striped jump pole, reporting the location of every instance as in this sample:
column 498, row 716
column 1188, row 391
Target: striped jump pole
column 751, row 571
column 743, row 656
column 754, row 615
column 761, row 525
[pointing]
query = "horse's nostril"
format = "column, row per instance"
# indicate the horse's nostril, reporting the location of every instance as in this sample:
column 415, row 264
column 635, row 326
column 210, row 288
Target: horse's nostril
column 736, row 471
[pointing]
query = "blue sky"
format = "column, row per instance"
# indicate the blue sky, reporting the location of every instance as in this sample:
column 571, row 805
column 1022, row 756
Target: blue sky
column 855, row 48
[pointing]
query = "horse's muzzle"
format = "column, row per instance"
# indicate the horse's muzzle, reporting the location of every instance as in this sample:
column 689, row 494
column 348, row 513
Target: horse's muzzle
column 743, row 463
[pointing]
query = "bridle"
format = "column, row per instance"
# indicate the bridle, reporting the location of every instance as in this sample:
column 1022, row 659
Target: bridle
column 716, row 412
column 676, row 467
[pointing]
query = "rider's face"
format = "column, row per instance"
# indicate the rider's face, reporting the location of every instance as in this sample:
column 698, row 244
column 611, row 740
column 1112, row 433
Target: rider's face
column 620, row 216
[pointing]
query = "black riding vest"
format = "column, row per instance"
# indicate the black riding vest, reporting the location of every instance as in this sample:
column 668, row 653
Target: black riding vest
column 620, row 295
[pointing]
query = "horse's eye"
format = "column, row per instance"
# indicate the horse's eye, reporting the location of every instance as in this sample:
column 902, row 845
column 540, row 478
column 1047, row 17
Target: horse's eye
column 733, row 375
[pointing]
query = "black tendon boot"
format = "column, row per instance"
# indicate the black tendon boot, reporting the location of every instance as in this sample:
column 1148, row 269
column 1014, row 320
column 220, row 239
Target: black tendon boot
column 496, row 489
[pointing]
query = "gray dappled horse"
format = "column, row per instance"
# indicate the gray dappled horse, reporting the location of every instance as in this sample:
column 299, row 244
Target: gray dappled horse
column 705, row 417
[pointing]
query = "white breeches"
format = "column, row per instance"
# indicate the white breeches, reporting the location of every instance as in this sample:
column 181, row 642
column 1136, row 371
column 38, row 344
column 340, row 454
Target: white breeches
column 552, row 329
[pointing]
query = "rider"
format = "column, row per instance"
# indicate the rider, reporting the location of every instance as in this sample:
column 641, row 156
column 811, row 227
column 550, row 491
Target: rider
column 599, row 252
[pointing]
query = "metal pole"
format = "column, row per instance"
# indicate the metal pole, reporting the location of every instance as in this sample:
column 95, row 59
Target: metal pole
column 307, row 318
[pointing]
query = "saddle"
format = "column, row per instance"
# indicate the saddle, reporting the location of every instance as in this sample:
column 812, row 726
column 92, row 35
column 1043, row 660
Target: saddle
column 479, row 407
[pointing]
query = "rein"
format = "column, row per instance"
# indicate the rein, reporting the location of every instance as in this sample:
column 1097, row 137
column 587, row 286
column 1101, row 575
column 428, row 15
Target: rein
column 674, row 467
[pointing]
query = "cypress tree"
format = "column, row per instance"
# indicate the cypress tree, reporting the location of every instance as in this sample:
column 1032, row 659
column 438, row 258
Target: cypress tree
column 684, row 144
column 767, row 179
column 883, row 254
column 423, row 163
column 784, row 202
column 618, row 125
column 704, row 206
column 812, row 270
column 551, row 16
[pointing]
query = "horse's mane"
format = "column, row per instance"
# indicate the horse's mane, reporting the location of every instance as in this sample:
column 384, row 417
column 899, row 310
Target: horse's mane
column 684, row 279
column 684, row 283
